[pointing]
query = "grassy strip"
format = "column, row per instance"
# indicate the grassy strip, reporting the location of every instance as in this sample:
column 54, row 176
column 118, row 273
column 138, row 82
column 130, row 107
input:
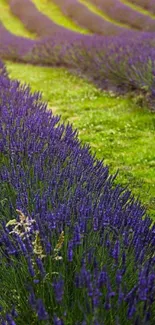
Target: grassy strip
column 103, row 15
column 117, row 129
column 54, row 13
column 12, row 23
column 138, row 8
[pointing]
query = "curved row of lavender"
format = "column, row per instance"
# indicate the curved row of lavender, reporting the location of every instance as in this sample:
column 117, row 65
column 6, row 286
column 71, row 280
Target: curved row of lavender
column 98, row 58
column 125, row 14
column 34, row 20
column 86, row 18
column 74, row 247
column 13, row 47
column 107, row 61
column 146, row 4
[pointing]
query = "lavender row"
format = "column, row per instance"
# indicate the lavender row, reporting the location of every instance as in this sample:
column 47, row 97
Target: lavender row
column 33, row 19
column 74, row 248
column 13, row 47
column 113, row 62
column 108, row 62
column 87, row 19
column 146, row 4
column 124, row 14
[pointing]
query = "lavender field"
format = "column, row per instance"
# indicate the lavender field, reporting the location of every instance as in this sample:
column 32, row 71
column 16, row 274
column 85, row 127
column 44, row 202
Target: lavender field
column 77, row 162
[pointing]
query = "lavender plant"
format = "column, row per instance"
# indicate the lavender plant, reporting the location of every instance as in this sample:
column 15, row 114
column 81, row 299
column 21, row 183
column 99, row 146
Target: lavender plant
column 74, row 247
column 3, row 71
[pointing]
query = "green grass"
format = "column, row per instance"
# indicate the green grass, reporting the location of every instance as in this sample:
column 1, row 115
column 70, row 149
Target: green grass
column 116, row 128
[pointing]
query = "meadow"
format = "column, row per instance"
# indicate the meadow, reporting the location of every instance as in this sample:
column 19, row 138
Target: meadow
column 77, row 162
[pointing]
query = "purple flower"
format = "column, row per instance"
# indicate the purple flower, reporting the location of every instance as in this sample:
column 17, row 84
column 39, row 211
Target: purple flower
column 118, row 277
column 78, row 282
column 40, row 309
column 102, row 279
column 32, row 299
column 120, row 296
column 76, row 235
column 107, row 304
column 70, row 251
column 40, row 266
column 116, row 251
column 58, row 286
column 143, row 287
column 9, row 319
column 14, row 312
column 30, row 267
column 131, row 310
column 57, row 321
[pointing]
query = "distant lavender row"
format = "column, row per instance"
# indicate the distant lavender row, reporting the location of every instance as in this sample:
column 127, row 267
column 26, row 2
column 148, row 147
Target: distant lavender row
column 146, row 4
column 81, row 251
column 125, row 62
column 13, row 47
column 123, row 13
column 120, row 63
column 85, row 18
column 33, row 19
